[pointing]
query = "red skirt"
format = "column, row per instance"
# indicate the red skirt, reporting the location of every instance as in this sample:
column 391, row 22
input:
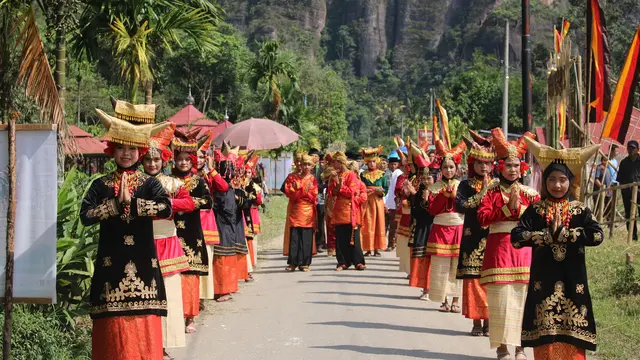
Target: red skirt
column 420, row 272
column 444, row 240
column 171, row 256
column 127, row 338
column 474, row 300
column 558, row 351
column 251, row 252
column 255, row 219
column 241, row 267
column 191, row 295
column 225, row 275
column 209, row 227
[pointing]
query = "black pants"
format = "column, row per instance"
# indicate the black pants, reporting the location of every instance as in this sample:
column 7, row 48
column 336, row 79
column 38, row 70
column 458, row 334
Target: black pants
column 348, row 254
column 300, row 246
column 626, row 200
column 320, row 238
column 393, row 227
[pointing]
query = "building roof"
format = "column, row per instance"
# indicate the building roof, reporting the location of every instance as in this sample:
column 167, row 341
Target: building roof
column 187, row 115
column 85, row 143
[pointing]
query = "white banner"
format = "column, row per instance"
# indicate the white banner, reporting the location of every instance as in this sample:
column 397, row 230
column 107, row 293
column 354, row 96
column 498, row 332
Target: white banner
column 36, row 212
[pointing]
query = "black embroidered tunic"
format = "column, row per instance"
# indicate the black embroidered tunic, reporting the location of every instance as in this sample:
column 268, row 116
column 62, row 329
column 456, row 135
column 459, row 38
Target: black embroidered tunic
column 421, row 221
column 189, row 227
column 127, row 278
column 229, row 219
column 558, row 307
column 474, row 236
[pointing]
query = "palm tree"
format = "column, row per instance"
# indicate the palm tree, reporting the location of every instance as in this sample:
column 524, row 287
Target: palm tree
column 136, row 29
column 268, row 69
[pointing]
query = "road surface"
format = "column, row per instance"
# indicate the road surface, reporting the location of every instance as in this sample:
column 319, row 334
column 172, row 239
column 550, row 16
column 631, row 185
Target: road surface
column 324, row 314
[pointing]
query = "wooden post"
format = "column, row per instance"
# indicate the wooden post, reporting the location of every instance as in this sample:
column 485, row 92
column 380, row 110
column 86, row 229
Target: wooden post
column 614, row 200
column 11, row 232
column 601, row 208
column 632, row 217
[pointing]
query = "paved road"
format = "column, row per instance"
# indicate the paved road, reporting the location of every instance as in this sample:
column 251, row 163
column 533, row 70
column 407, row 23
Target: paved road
column 324, row 314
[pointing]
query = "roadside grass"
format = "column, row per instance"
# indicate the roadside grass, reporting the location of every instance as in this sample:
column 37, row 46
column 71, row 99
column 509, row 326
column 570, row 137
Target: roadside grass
column 272, row 222
column 617, row 316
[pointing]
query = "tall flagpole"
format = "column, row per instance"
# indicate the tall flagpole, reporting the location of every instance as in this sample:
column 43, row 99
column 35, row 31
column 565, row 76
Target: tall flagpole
column 526, row 68
column 505, row 96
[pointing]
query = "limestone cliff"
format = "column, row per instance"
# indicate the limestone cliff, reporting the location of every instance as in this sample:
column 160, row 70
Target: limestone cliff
column 407, row 30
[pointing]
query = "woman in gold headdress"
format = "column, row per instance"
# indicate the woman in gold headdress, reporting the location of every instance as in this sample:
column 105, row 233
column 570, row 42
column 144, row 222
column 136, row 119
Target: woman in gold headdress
column 558, row 316
column 126, row 318
column 373, row 219
column 505, row 270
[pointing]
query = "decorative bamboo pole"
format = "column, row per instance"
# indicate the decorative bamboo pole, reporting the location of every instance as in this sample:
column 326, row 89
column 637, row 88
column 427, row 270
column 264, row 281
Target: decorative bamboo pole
column 614, row 200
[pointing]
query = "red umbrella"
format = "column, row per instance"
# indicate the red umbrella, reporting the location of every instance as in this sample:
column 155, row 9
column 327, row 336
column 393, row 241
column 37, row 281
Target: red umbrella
column 257, row 134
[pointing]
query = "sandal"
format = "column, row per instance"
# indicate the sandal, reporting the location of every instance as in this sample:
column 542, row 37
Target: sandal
column 368, row 253
column 444, row 307
column 340, row 268
column 476, row 331
column 504, row 355
column 190, row 329
column 290, row 268
column 485, row 331
column 455, row 308
column 360, row 267
column 224, row 298
column 377, row 254
column 424, row 296
column 249, row 278
column 305, row 268
column 520, row 355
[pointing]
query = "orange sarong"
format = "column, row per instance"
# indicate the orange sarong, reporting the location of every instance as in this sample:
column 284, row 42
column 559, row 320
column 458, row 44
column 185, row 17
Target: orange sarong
column 474, row 300
column 241, row 267
column 372, row 233
column 558, row 351
column 191, row 295
column 251, row 252
column 225, row 274
column 127, row 337
column 420, row 272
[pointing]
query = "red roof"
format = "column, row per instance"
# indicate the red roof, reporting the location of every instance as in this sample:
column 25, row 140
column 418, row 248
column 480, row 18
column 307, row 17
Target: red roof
column 186, row 115
column 85, row 143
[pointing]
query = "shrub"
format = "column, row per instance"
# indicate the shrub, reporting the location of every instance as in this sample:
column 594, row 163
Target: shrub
column 627, row 281
column 36, row 336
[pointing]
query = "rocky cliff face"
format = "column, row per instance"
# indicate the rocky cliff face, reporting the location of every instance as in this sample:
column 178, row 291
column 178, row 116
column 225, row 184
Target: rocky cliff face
column 406, row 29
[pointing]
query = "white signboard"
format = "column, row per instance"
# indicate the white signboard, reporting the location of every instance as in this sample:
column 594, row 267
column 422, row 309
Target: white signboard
column 36, row 211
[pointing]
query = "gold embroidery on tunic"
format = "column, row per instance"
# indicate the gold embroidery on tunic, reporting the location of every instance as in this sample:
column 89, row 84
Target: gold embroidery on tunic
column 180, row 224
column 467, row 232
column 537, row 286
column 154, row 263
column 129, row 287
column 477, row 255
column 597, row 237
column 199, row 242
column 373, row 176
column 105, row 210
column 106, row 261
column 128, row 240
column 149, row 207
column 580, row 288
column 190, row 182
column 558, row 315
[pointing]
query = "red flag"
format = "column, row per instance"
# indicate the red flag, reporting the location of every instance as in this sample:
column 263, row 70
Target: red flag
column 622, row 105
column 557, row 40
column 597, row 63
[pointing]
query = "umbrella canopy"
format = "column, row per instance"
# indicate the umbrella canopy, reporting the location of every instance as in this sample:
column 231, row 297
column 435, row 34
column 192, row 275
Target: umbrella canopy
column 257, row 134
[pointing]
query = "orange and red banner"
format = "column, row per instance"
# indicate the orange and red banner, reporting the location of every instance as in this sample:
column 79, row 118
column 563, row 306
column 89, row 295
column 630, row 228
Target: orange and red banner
column 565, row 28
column 619, row 117
column 557, row 40
column 598, row 60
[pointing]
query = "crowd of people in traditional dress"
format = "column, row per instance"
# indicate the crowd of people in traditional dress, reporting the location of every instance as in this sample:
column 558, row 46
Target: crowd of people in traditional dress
column 510, row 259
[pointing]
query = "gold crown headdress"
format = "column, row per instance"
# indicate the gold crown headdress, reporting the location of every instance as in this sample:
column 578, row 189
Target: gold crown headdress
column 125, row 133
column 574, row 158
column 371, row 153
column 139, row 113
